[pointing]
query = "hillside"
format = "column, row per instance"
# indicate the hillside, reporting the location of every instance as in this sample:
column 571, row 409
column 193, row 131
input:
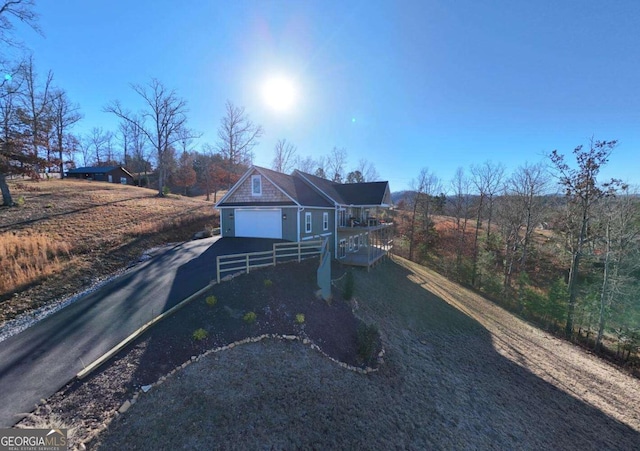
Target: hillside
column 66, row 235
column 459, row 373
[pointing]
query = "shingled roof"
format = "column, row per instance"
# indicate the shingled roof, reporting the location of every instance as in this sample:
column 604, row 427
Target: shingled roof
column 92, row 170
column 309, row 190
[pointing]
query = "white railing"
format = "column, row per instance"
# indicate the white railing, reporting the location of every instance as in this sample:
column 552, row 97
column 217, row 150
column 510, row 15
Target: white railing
column 234, row 263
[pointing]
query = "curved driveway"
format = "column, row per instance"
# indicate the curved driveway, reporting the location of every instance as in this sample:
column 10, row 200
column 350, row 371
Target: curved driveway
column 37, row 362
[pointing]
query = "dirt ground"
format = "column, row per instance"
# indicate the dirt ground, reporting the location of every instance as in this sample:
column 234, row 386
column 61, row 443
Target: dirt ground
column 459, row 373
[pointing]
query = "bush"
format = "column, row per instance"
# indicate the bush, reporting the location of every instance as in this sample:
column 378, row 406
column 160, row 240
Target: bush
column 300, row 318
column 200, row 334
column 250, row 317
column 267, row 283
column 368, row 342
column 211, row 300
column 349, row 286
column 166, row 190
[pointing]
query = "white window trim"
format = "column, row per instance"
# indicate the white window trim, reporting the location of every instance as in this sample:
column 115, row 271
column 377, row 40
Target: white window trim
column 308, row 223
column 342, row 248
column 257, row 177
column 325, row 221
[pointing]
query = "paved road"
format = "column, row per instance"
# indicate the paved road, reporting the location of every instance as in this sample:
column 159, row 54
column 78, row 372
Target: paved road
column 37, row 362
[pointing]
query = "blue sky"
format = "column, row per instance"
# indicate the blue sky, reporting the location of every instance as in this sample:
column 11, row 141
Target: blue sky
column 406, row 85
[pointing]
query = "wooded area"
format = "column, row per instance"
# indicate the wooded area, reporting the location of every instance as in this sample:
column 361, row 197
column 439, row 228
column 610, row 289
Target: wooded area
column 550, row 241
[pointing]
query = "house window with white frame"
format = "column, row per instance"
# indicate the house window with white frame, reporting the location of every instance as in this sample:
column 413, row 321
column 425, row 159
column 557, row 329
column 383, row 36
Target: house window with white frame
column 307, row 222
column 325, row 221
column 256, row 185
column 350, row 243
column 342, row 249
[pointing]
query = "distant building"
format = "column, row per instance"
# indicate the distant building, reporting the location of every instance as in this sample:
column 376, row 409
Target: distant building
column 110, row 174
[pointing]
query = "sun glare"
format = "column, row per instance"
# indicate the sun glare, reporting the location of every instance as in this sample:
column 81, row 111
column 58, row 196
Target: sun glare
column 279, row 93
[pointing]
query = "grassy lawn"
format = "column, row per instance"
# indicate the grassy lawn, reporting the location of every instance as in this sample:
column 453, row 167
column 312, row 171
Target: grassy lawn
column 65, row 234
column 459, row 372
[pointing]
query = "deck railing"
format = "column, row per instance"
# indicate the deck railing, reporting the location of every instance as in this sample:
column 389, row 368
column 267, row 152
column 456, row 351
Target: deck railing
column 234, row 263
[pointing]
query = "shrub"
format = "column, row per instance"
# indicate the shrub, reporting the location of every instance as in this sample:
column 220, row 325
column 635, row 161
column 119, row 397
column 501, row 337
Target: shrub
column 368, row 342
column 268, row 282
column 166, row 190
column 250, row 317
column 349, row 286
column 211, row 300
column 300, row 318
column 200, row 334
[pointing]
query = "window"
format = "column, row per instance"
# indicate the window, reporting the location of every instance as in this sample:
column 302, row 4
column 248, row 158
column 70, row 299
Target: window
column 256, row 185
column 325, row 221
column 123, row 180
column 350, row 243
column 342, row 218
column 307, row 222
column 342, row 249
column 356, row 242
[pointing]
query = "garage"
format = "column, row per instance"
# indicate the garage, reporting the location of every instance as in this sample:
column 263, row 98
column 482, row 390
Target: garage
column 263, row 223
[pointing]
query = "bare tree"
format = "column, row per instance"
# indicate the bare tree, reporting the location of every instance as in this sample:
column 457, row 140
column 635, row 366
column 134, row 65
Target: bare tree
column 237, row 135
column 20, row 10
column 12, row 156
column 35, row 106
column 285, row 158
column 336, row 161
column 96, row 144
column 161, row 121
column 425, row 187
column 619, row 218
column 519, row 212
column 65, row 115
column 582, row 192
column 307, row 165
column 486, row 178
column 367, row 170
column 461, row 208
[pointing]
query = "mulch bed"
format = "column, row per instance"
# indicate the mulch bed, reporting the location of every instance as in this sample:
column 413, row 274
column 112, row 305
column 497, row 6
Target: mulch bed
column 269, row 293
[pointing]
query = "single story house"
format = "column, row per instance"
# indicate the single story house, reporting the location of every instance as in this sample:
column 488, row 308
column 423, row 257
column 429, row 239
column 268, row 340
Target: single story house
column 354, row 217
column 111, row 174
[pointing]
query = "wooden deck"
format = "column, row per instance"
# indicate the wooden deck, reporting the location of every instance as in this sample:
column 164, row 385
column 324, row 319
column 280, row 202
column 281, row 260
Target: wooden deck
column 365, row 256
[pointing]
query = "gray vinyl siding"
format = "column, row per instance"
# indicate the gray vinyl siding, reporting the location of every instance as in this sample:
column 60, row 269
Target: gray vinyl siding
column 289, row 225
column 316, row 225
column 227, row 223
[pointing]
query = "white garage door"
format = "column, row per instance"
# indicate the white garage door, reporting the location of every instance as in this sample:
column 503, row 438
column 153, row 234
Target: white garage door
column 259, row 223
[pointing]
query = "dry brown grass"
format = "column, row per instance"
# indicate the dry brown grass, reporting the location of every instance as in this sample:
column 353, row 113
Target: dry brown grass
column 26, row 257
column 72, row 228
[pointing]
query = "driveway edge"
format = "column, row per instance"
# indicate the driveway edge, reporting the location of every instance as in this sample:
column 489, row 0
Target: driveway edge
column 117, row 348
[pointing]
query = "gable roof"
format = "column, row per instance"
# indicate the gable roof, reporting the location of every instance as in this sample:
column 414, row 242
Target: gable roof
column 311, row 191
column 96, row 170
column 92, row 170
column 368, row 193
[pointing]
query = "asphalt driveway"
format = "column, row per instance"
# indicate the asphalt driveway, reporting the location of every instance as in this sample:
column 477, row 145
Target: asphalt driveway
column 37, row 362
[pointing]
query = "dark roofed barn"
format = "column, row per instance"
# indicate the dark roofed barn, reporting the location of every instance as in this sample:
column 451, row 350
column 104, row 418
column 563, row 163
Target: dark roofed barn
column 110, row 174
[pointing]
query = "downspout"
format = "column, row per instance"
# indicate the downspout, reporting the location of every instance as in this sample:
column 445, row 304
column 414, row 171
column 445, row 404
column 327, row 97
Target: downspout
column 300, row 210
column 335, row 231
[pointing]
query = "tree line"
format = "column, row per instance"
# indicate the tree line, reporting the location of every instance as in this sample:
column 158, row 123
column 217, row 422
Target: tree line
column 568, row 258
column 153, row 142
